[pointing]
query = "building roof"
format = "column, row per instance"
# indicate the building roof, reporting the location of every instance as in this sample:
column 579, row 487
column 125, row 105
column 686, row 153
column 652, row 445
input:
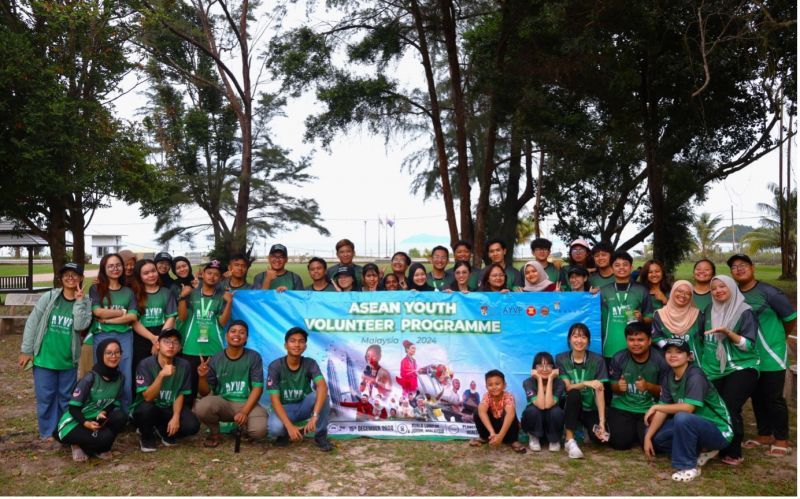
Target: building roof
column 20, row 238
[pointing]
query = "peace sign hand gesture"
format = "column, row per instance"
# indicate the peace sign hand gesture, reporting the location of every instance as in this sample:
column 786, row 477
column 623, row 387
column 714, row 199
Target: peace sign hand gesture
column 203, row 368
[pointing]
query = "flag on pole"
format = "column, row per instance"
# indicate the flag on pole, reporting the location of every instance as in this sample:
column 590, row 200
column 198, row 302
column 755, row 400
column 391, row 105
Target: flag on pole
column 389, row 221
column 380, row 220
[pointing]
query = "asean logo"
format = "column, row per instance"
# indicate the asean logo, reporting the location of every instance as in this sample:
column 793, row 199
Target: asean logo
column 531, row 311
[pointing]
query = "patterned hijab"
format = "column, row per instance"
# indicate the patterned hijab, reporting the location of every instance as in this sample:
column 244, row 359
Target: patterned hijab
column 678, row 319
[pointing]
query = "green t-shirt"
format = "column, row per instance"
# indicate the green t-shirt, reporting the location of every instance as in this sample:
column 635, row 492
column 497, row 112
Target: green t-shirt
column 289, row 279
column 617, row 304
column 292, row 386
column 772, row 308
column 652, row 370
column 202, row 333
column 171, row 387
column 118, row 299
column 702, row 301
column 598, row 281
column 441, row 284
column 56, row 349
column 328, row 289
column 226, row 283
column 160, row 305
column 593, row 367
column 695, row 389
column 93, row 395
column 234, row 379
column 736, row 359
column 694, row 336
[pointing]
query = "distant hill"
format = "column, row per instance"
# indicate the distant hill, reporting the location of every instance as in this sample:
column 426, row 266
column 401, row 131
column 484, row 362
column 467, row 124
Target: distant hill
column 739, row 232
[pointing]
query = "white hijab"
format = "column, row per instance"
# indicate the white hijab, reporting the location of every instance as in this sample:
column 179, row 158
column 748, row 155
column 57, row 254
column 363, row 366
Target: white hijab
column 726, row 314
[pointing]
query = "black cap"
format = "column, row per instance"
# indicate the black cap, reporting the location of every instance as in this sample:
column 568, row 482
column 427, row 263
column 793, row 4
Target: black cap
column 345, row 270
column 78, row 269
column 169, row 333
column 278, row 248
column 678, row 343
column 162, row 255
column 295, row 330
column 213, row 264
column 577, row 270
column 739, row 256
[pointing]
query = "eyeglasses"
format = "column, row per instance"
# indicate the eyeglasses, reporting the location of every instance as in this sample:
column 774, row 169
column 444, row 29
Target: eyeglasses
column 171, row 343
column 117, row 353
column 115, row 266
column 578, row 250
column 739, row 266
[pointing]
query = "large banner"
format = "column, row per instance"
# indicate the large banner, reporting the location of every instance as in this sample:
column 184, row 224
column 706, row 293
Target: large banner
column 405, row 364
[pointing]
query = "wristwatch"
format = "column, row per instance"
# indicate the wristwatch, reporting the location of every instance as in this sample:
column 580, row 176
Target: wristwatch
column 315, row 415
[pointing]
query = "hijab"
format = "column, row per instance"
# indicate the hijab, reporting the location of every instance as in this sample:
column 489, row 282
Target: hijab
column 181, row 281
column 410, row 279
column 676, row 318
column 110, row 373
column 542, row 282
column 726, row 314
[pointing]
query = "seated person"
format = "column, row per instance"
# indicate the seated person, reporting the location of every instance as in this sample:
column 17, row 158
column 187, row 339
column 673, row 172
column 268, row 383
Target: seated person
column 231, row 383
column 289, row 381
column 690, row 415
column 543, row 417
column 162, row 382
column 635, row 374
column 497, row 421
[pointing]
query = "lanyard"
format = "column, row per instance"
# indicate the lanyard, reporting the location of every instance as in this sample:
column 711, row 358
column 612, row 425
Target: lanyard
column 582, row 377
column 623, row 301
column 204, row 310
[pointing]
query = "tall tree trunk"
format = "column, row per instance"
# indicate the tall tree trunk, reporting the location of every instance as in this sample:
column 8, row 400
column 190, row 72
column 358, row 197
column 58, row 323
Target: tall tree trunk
column 537, row 208
column 56, row 236
column 509, row 208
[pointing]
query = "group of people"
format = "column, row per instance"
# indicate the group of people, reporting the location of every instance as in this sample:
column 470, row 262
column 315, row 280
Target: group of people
column 167, row 355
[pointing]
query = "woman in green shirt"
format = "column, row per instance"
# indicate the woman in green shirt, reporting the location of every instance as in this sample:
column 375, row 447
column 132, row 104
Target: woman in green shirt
column 652, row 277
column 157, row 310
column 680, row 317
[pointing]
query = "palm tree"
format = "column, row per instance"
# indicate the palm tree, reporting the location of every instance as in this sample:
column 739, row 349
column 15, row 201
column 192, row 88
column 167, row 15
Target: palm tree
column 768, row 236
column 706, row 234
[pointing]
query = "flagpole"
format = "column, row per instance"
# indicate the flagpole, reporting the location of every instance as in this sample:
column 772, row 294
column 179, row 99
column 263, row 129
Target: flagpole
column 394, row 234
column 386, row 236
column 378, row 254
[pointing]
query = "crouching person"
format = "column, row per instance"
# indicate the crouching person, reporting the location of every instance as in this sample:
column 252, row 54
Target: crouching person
column 289, row 381
column 163, row 381
column 235, row 379
column 699, row 418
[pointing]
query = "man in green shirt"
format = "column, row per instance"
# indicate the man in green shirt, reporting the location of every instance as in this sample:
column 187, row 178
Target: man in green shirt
column 689, row 416
column 289, row 381
column 276, row 276
column 438, row 277
column 231, row 383
column 162, row 382
column 621, row 303
column 496, row 251
column 238, row 265
column 345, row 252
column 603, row 273
column 777, row 319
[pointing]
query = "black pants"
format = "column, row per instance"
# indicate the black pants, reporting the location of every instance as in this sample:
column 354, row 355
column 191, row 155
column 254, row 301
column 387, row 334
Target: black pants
column 543, row 423
column 626, row 428
column 142, row 348
column 97, row 442
column 574, row 413
column 497, row 424
column 769, row 406
column 147, row 416
column 194, row 362
column 735, row 389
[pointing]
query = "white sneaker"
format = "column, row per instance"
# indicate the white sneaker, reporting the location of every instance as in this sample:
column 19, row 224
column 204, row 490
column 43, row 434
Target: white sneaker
column 533, row 443
column 554, row 446
column 573, row 451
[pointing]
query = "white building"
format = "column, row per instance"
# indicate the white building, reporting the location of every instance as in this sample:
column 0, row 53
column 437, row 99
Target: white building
column 103, row 244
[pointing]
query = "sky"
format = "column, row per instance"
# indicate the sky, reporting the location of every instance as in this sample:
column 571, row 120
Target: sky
column 360, row 180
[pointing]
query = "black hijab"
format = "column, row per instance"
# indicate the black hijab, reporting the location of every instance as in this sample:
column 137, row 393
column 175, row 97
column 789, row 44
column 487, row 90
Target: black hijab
column 100, row 367
column 182, row 281
column 410, row 279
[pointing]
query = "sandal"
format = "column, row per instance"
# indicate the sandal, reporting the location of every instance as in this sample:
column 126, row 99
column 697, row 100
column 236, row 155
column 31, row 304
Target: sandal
column 78, row 455
column 733, row 461
column 476, row 442
column 518, row 447
column 752, row 443
column 778, row 450
column 686, row 475
column 212, row 441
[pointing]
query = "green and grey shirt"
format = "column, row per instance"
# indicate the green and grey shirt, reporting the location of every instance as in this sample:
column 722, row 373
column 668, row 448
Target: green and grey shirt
column 93, row 395
column 772, row 308
column 598, row 281
column 652, row 370
column 694, row 388
column 289, row 279
column 159, row 307
column 117, row 299
column 292, row 386
column 56, row 350
column 171, row 386
column 202, row 333
column 617, row 305
column 694, row 336
column 701, row 301
column 593, row 367
column 234, row 379
column 735, row 358
column 226, row 283
column 531, row 388
column 443, row 283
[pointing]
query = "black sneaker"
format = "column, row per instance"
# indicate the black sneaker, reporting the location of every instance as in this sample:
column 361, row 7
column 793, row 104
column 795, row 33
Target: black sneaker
column 323, row 443
column 166, row 439
column 147, row 444
column 282, row 441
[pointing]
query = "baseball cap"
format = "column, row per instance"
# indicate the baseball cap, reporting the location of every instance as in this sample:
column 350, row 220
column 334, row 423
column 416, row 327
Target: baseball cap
column 678, row 343
column 213, row 264
column 580, row 242
column 739, row 256
column 163, row 255
column 78, row 269
column 278, row 248
column 577, row 270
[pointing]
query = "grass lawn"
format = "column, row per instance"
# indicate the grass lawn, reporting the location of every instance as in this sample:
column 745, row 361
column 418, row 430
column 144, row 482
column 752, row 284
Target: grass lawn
column 38, row 268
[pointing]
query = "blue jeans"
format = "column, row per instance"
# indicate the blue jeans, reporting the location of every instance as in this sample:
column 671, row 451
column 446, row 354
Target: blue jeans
column 53, row 390
column 298, row 412
column 125, row 364
column 684, row 436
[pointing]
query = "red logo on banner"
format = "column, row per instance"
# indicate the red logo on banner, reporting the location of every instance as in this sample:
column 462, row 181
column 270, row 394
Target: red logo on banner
column 531, row 311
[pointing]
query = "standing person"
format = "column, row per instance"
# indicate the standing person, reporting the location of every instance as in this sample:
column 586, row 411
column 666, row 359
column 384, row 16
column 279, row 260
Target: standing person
column 238, row 265
column 462, row 252
column 182, row 268
column 94, row 419
column 652, row 277
column 729, row 357
column 535, row 278
column 231, row 384
column 408, row 370
column 543, row 416
column 276, row 276
column 497, row 421
column 345, row 252
column 462, row 271
column 603, row 274
column 540, row 249
column 345, row 278
column 203, row 312
column 289, row 382
column 496, row 250
column 635, row 374
column 438, row 277
column 51, row 342
column 163, row 381
column 494, row 279
column 704, row 271
column 680, row 318
column 579, row 256
column 578, row 278
column 370, row 277
column 621, row 303
column 418, row 278
column 129, row 261
column 777, row 319
column 699, row 418
column 157, row 310
column 115, row 310
column 320, row 281
column 400, row 263
column 163, row 261
column 583, row 373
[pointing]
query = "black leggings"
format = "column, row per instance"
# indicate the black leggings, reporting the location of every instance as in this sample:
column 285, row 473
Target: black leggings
column 497, row 425
column 626, row 428
column 148, row 416
column 575, row 413
column 142, row 349
column 735, row 389
column 769, row 406
column 97, row 442
column 194, row 362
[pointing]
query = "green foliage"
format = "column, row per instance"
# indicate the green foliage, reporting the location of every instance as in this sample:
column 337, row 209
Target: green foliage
column 768, row 236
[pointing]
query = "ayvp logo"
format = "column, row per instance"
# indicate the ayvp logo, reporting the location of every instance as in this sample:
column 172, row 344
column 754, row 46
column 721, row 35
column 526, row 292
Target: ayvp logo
column 512, row 310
